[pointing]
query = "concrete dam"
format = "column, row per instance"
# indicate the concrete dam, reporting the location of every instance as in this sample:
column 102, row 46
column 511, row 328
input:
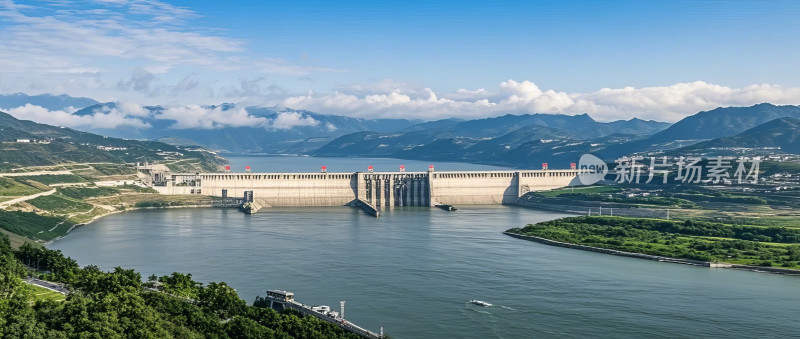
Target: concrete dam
column 378, row 189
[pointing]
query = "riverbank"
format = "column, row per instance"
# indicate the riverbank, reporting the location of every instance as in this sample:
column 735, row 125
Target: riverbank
column 698, row 243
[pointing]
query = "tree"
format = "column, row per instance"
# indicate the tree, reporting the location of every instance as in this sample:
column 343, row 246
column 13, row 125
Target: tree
column 19, row 319
column 180, row 285
column 11, row 273
column 5, row 244
column 241, row 327
column 793, row 252
column 222, row 300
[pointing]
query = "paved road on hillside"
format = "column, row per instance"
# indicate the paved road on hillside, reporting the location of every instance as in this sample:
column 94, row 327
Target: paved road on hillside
column 21, row 174
column 48, row 285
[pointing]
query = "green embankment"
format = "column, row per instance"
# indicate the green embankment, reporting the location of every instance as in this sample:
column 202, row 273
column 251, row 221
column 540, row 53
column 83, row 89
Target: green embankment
column 673, row 196
column 87, row 192
column 50, row 179
column 697, row 240
column 582, row 190
column 654, row 200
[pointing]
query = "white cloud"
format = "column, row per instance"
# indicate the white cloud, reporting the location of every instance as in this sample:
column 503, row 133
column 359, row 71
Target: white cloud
column 466, row 94
column 289, row 120
column 140, row 81
column 201, row 117
column 108, row 37
column 196, row 116
column 110, row 119
column 80, row 36
column 663, row 103
column 132, row 109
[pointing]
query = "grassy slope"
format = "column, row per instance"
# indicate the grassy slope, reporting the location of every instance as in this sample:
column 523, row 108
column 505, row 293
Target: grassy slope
column 59, row 204
column 50, row 179
column 16, row 239
column 32, row 225
column 43, row 294
column 13, row 155
column 13, row 188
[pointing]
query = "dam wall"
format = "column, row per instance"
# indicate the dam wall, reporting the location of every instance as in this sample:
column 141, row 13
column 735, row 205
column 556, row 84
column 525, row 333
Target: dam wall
column 269, row 189
column 495, row 187
column 379, row 189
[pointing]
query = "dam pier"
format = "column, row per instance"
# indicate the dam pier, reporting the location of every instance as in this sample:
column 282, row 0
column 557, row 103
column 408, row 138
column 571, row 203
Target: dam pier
column 370, row 190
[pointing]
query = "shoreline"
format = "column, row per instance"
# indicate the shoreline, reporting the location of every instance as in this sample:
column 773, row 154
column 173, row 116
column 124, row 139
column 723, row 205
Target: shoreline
column 709, row 264
column 45, row 243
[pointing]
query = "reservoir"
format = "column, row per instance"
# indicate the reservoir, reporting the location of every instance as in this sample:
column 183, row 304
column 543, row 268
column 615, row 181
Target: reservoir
column 414, row 269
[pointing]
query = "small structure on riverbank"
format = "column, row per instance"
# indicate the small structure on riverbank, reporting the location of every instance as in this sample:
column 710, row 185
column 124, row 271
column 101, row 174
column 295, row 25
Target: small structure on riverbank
column 280, row 300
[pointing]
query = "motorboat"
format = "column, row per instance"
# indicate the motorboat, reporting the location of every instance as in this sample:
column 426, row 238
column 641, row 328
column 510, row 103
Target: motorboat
column 480, row 303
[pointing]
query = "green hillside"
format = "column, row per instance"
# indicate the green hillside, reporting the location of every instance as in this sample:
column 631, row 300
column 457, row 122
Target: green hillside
column 51, row 145
column 782, row 132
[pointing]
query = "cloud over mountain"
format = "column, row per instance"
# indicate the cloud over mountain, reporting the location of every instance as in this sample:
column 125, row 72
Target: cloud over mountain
column 663, row 103
column 132, row 115
column 201, row 117
column 114, row 118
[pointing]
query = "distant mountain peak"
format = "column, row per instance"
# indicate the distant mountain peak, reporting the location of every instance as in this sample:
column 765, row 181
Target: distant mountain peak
column 49, row 101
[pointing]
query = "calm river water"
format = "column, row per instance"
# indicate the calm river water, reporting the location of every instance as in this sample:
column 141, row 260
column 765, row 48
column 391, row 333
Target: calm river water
column 413, row 270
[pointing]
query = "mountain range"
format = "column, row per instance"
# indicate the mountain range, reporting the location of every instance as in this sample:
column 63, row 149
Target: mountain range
column 562, row 139
column 514, row 140
column 719, row 122
column 51, row 102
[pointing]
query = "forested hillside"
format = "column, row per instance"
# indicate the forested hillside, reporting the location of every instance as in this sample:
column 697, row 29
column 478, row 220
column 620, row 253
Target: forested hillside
column 118, row 304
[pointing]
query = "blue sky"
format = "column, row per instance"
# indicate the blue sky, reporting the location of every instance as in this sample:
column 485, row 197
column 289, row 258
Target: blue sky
column 421, row 59
column 578, row 46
